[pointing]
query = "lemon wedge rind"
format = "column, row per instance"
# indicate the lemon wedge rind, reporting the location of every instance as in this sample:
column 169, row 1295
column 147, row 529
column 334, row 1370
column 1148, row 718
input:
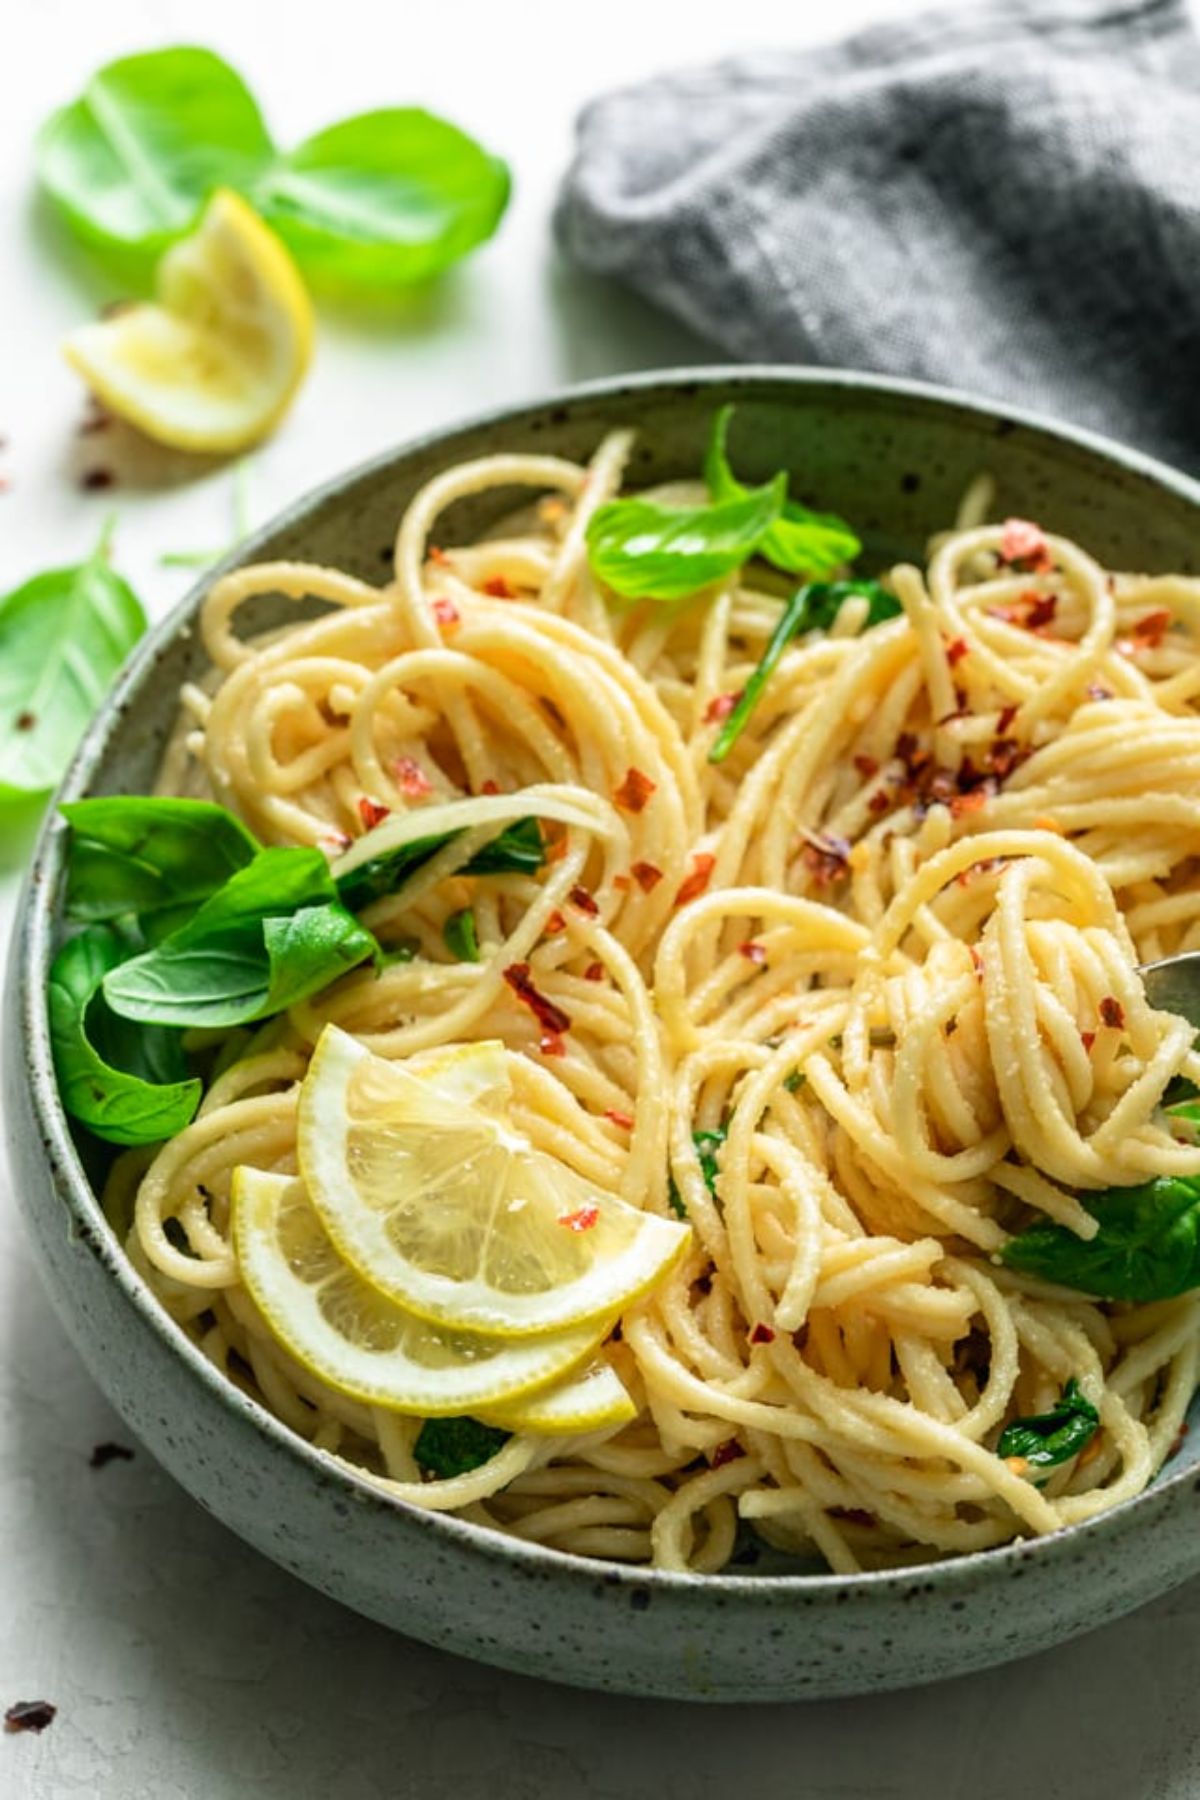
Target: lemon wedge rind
column 593, row 1400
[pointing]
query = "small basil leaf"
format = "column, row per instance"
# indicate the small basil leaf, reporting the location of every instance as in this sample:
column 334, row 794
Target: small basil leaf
column 460, row 936
column 648, row 552
column 384, row 199
column 518, row 849
column 1147, row 1247
column 707, row 1144
column 63, row 636
column 134, row 854
column 801, row 542
column 1054, row 1437
column 128, row 1087
column 131, row 162
column 449, row 1447
column 810, row 608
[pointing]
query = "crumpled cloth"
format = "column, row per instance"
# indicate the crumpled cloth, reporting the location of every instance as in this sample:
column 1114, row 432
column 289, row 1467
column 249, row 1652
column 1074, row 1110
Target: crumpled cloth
column 1002, row 198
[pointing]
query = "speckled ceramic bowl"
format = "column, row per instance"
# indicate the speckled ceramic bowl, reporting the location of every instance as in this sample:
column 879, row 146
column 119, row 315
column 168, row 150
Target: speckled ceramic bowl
column 893, row 458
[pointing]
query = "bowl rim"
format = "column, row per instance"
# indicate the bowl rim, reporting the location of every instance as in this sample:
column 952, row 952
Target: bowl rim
column 35, row 919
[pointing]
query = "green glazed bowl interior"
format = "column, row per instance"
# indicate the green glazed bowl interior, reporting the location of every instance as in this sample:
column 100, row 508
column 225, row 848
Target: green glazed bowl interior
column 894, row 459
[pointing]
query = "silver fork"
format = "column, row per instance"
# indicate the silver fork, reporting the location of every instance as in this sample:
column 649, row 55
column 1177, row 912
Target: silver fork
column 1173, row 985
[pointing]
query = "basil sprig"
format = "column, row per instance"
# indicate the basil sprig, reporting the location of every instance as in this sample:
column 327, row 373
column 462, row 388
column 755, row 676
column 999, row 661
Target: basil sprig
column 644, row 551
column 374, row 203
column 814, row 606
column 800, row 541
column 1147, row 1246
column 1046, row 1439
column 449, row 1447
column 63, row 636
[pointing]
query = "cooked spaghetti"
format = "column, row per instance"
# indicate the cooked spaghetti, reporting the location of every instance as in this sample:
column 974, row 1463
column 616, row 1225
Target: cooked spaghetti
column 887, row 948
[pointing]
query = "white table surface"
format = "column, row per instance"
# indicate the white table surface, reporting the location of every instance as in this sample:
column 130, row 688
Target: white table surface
column 182, row 1663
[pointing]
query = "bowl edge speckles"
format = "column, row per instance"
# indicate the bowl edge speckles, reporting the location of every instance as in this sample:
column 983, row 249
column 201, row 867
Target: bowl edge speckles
column 894, row 457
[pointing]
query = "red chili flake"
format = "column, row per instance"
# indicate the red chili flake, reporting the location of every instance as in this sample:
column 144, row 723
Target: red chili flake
column 976, row 962
column 371, row 812
column 580, row 897
column 621, row 1119
column 956, row 651
column 634, row 791
column 1024, row 542
column 906, row 745
column 1087, row 1038
column 594, row 972
column 490, row 786
column 551, row 1018
column 1096, row 692
column 438, row 556
column 971, row 802
column 720, row 707
column 828, row 857
column 729, row 1451
column 93, row 479
column 755, row 953
column 103, row 1454
column 1112, row 1013
column 879, row 801
column 1007, row 715
column 622, row 883
column 411, row 777
column 26, row 721
column 29, row 1715
column 647, row 875
column 552, row 1044
column 555, row 923
column 1152, row 629
column 1041, row 611
column 867, row 766
column 762, row 1334
column 582, row 1219
column 1004, row 756
column 693, row 885
column 445, row 612
column 498, row 588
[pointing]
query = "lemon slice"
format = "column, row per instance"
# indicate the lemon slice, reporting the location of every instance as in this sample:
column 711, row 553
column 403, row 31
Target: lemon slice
column 452, row 1213
column 359, row 1343
column 213, row 362
column 588, row 1402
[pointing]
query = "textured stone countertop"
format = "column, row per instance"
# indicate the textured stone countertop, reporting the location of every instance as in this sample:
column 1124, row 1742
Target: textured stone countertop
column 181, row 1662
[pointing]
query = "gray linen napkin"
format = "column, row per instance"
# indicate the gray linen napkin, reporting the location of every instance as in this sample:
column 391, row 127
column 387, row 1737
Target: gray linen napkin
column 1003, row 197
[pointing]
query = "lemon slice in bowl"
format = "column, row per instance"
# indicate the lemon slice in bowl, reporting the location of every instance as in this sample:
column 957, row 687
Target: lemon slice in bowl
column 212, row 363
column 449, row 1211
column 346, row 1333
column 591, row 1401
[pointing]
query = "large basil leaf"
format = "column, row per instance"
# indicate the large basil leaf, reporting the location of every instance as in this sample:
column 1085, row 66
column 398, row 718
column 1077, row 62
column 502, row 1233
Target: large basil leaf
column 132, row 160
column 801, row 542
column 63, row 636
column 1147, row 1247
column 518, row 849
column 128, row 1085
column 273, row 935
column 137, row 854
column 648, row 552
column 384, row 199
column 811, row 607
column 1045, row 1439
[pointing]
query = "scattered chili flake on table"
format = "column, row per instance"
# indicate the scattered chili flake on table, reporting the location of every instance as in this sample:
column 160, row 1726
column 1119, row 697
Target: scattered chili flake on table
column 580, row 897
column 693, row 885
column 372, row 812
column 582, row 1219
column 498, row 588
column 550, row 1017
column 29, row 1715
column 411, row 778
column 729, row 1451
column 762, row 1334
column 103, row 1454
column 445, row 612
column 1112, row 1013
column 634, row 791
column 647, row 875
column 26, row 721
column 720, row 708
column 754, row 953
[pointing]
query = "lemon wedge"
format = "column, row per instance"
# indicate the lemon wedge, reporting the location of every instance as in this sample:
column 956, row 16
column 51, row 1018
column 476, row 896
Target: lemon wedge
column 211, row 364
column 359, row 1343
column 591, row 1401
column 449, row 1211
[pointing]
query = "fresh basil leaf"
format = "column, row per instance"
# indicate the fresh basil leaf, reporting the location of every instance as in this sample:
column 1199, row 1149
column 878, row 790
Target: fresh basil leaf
column 518, row 849
column 273, row 935
column 135, row 854
column 63, row 636
column 801, row 542
column 707, row 1144
column 1147, row 1247
column 448, row 1447
column 648, row 552
column 1046, row 1439
column 130, row 163
column 385, row 199
column 461, row 937
column 128, row 1087
column 812, row 607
